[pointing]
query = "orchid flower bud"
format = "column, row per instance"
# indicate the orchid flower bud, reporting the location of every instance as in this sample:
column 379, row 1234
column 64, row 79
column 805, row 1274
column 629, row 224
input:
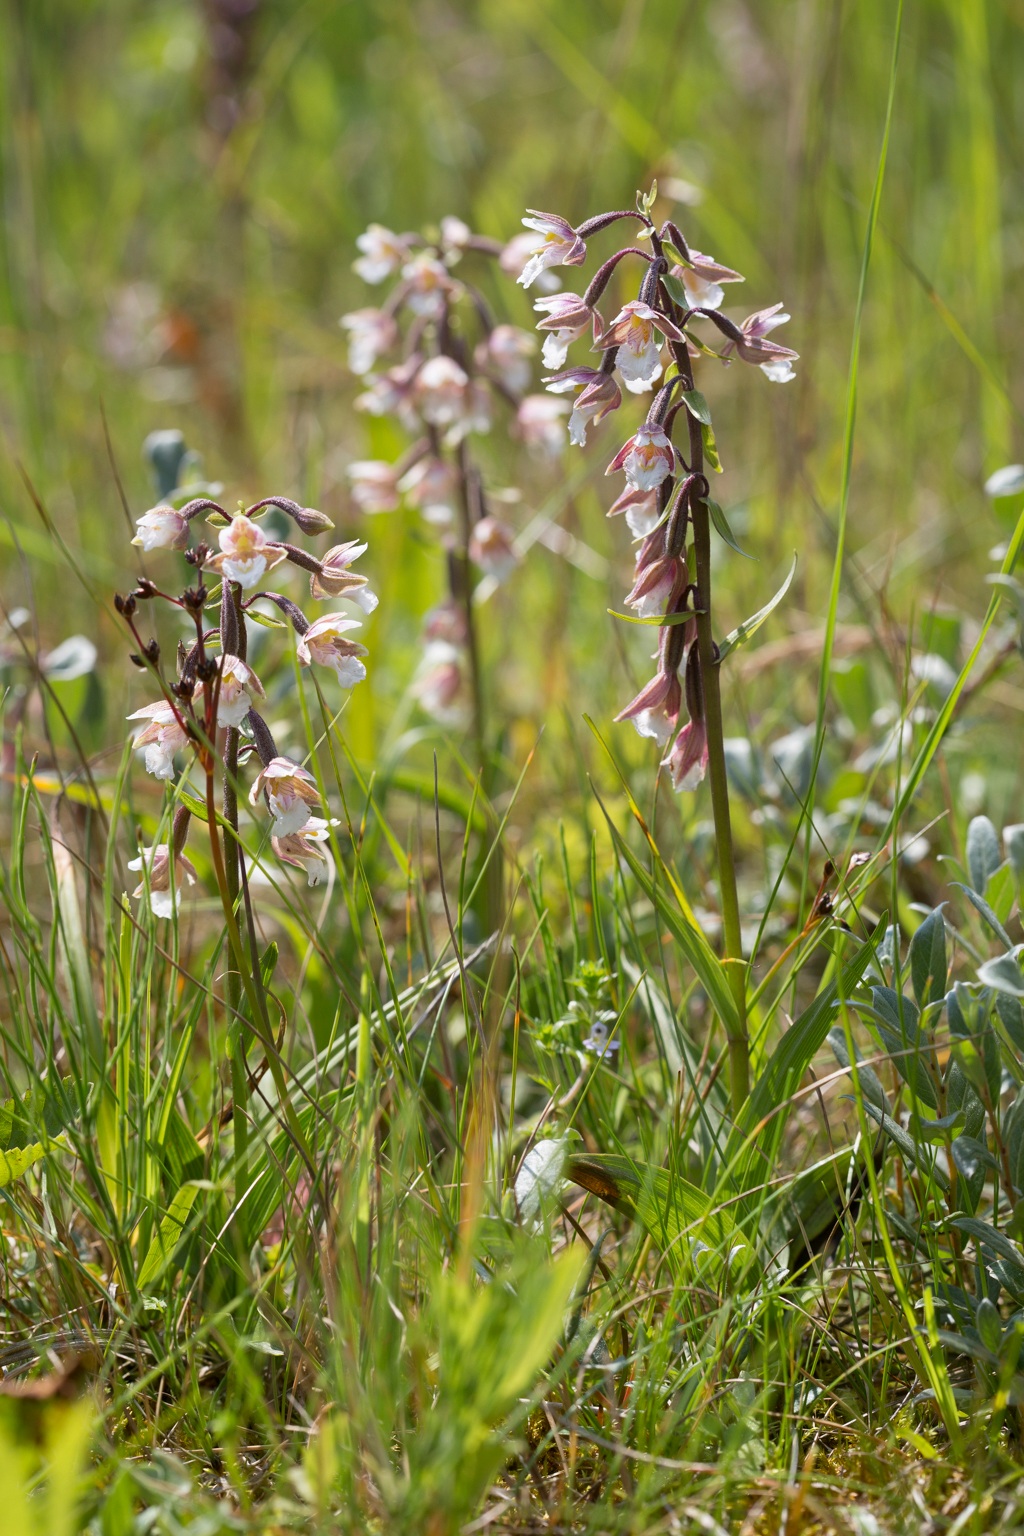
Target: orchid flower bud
column 161, row 528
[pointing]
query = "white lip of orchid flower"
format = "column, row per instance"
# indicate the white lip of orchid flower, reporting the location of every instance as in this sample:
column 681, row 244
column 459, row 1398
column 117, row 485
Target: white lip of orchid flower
column 383, row 253
column 648, row 458
column 291, row 793
column 155, row 862
column 239, row 685
column 324, row 643
column 246, row 554
column 161, row 738
column 305, row 848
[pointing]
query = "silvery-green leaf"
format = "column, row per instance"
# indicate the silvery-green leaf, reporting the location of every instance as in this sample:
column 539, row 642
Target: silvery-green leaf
column 540, row 1177
column 1004, row 974
column 928, row 959
column 981, row 906
column 1008, row 481
column 983, row 856
column 1013, row 841
column 74, row 657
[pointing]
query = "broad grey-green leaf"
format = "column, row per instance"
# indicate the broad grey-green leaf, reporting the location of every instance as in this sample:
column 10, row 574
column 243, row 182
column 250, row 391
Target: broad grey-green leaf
column 913, row 1151
column 1004, row 974
column 982, row 907
column 986, row 1236
column 870, row 1082
column 983, row 856
column 928, row 960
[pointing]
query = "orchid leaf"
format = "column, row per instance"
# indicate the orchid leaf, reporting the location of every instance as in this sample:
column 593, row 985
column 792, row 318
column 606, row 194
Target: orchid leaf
column 743, row 632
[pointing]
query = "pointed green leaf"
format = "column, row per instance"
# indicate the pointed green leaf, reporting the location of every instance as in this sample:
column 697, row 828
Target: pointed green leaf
column 697, row 406
column 722, row 528
column 928, row 960
column 674, row 1211
column 742, row 633
column 710, row 448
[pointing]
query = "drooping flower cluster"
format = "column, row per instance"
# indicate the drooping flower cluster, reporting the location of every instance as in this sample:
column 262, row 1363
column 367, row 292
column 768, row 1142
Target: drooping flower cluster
column 208, row 714
column 651, row 341
column 435, row 359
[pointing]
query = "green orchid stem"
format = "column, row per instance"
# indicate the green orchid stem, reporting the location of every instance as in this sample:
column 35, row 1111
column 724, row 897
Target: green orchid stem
column 700, row 519
column 239, row 1074
column 251, row 984
column 738, row 1039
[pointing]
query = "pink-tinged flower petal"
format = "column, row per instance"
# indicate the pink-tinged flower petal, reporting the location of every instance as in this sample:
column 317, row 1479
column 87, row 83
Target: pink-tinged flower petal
column 515, row 256
column 291, row 794
column 490, row 548
column 641, row 511
column 431, row 487
column 688, row 760
column 325, row 644
column 647, row 459
column 383, row 254
column 335, row 579
column 540, row 420
column 390, row 393
column 441, row 391
column 371, row 333
column 374, row 485
column 239, row 688
column 246, row 554
column 439, row 685
column 655, row 709
column 163, row 893
column 559, row 245
column 306, row 849
column 505, row 355
column 427, row 284
column 656, row 584
column 161, row 738
column 634, row 326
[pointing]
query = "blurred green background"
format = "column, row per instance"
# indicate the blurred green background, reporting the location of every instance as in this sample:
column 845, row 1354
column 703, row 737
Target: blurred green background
column 183, row 184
